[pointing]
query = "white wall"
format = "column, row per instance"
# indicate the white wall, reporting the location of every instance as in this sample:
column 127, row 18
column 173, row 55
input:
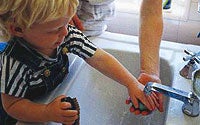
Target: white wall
column 181, row 22
column 186, row 27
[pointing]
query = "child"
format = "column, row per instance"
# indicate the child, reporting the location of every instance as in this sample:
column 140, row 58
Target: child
column 35, row 60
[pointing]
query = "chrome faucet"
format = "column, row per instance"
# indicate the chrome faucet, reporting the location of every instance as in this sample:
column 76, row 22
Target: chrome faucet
column 196, row 82
column 191, row 101
column 191, row 66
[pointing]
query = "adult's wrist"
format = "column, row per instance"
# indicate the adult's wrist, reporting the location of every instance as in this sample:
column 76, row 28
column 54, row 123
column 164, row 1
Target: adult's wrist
column 146, row 77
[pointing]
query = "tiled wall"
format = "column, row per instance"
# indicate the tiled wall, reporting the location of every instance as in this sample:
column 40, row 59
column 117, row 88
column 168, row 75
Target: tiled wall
column 185, row 29
column 181, row 23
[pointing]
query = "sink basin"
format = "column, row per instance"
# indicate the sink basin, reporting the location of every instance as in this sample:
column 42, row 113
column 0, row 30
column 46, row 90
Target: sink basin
column 102, row 100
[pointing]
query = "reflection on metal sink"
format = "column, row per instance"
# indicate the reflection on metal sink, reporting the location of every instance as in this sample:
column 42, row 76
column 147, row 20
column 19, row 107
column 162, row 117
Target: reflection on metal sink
column 102, row 100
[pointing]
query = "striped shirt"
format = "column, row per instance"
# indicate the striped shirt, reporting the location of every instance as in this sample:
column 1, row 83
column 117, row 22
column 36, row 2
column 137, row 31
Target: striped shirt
column 25, row 71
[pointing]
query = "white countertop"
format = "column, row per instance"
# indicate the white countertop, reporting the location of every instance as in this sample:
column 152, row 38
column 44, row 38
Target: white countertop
column 173, row 53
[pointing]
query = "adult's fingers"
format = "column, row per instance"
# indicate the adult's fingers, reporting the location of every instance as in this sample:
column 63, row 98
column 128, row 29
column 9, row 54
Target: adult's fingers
column 77, row 22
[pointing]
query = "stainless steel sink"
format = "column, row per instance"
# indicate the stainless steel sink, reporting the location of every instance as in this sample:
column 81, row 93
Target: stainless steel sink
column 102, row 100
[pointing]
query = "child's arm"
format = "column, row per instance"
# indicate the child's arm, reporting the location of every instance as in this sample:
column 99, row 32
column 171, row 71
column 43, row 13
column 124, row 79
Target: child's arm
column 25, row 110
column 109, row 66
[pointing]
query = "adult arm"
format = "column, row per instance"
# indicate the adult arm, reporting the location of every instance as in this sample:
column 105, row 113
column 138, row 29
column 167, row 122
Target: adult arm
column 151, row 28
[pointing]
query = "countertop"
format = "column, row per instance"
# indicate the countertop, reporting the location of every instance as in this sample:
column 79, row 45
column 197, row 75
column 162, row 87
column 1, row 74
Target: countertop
column 172, row 52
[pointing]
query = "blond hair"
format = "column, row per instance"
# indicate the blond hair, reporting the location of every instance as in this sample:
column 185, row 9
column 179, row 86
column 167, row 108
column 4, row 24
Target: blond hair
column 24, row 13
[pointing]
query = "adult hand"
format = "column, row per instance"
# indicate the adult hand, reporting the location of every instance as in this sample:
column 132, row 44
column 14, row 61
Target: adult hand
column 144, row 78
column 157, row 97
column 77, row 22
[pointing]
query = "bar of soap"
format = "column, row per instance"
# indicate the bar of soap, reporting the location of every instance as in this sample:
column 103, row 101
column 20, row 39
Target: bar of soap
column 142, row 107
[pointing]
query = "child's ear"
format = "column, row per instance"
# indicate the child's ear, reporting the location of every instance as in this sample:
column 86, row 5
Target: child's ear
column 16, row 31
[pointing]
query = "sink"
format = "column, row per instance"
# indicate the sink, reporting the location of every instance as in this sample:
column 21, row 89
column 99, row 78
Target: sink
column 102, row 100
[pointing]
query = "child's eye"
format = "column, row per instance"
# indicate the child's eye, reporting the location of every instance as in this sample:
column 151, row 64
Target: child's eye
column 54, row 31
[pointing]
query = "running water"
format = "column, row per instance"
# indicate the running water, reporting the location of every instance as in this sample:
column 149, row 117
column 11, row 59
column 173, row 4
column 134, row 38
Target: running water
column 141, row 120
column 123, row 117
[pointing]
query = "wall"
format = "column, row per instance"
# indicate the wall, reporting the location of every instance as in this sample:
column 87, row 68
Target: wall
column 181, row 22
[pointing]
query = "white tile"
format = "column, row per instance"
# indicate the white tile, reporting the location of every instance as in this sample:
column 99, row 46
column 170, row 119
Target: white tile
column 188, row 32
column 198, row 7
column 128, row 6
column 193, row 13
column 177, row 27
column 194, row 0
column 178, row 10
column 170, row 30
column 124, row 23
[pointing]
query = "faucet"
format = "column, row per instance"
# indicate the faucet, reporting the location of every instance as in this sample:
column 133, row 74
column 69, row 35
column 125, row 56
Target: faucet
column 191, row 101
column 191, row 66
column 196, row 82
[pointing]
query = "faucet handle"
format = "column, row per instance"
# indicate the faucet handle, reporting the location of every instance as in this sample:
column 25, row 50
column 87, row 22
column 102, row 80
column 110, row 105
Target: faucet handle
column 191, row 108
column 192, row 56
column 191, row 66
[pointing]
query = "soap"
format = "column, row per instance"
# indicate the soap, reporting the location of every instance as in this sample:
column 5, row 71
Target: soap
column 142, row 107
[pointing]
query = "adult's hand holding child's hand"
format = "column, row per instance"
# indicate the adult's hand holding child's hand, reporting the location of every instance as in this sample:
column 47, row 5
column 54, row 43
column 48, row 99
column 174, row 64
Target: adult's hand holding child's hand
column 56, row 111
column 137, row 96
column 144, row 78
column 154, row 98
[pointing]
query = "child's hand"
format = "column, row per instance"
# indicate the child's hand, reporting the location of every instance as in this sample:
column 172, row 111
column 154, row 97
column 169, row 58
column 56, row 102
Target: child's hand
column 142, row 109
column 56, row 111
column 137, row 95
column 144, row 78
column 154, row 98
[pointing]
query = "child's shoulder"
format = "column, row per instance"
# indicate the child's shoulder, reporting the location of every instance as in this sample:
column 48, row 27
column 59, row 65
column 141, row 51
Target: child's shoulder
column 17, row 50
column 73, row 29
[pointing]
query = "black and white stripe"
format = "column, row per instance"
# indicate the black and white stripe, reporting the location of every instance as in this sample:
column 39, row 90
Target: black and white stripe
column 79, row 44
column 12, row 78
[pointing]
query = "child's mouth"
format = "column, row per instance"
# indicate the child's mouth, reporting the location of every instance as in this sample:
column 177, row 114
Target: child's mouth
column 58, row 43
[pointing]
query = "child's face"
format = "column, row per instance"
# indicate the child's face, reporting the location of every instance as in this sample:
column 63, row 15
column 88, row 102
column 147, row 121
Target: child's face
column 48, row 36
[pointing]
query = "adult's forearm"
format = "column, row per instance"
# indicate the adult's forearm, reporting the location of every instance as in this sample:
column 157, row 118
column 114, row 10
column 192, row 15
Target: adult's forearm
column 151, row 28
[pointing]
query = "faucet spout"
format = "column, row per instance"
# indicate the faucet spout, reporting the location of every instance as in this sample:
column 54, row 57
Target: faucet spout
column 191, row 101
